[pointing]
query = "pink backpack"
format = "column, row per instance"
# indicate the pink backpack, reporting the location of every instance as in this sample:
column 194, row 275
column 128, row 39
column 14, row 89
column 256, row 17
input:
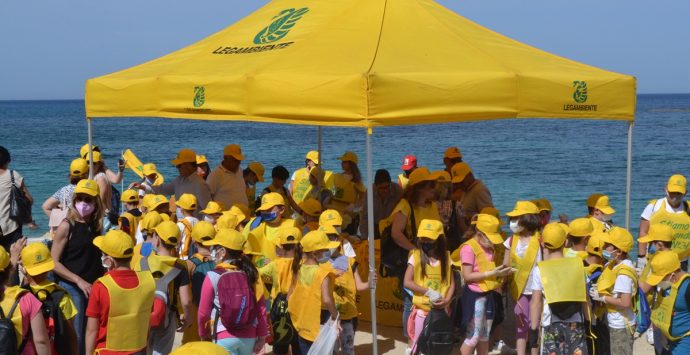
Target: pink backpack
column 238, row 306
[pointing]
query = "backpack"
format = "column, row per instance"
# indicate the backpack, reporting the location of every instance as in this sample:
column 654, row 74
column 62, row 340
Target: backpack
column 643, row 312
column 281, row 323
column 393, row 256
column 8, row 335
column 162, row 294
column 54, row 318
column 453, row 237
column 201, row 268
column 238, row 307
column 437, row 334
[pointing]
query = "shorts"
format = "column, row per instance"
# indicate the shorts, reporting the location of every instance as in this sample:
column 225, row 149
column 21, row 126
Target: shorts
column 522, row 318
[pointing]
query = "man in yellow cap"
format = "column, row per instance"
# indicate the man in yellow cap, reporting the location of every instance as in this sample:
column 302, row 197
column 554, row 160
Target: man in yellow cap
column 672, row 316
column 672, row 210
column 475, row 195
column 261, row 230
column 227, row 181
column 188, row 182
column 451, row 157
column 128, row 222
column 559, row 298
column 299, row 183
column 253, row 174
column 602, row 214
column 121, row 301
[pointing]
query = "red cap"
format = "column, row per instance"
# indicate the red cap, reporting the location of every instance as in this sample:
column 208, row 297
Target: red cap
column 409, row 162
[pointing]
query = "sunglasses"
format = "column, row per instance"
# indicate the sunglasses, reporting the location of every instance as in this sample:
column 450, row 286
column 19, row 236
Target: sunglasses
column 82, row 198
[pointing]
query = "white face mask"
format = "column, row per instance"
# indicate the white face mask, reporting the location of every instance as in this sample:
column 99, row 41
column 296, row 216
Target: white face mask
column 515, row 227
column 210, row 219
column 606, row 217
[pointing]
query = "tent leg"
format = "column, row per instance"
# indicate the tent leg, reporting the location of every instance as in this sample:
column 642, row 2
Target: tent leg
column 628, row 181
column 319, row 142
column 88, row 123
column 372, row 254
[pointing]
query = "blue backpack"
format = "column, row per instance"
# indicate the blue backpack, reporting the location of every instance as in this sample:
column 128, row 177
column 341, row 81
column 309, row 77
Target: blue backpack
column 643, row 313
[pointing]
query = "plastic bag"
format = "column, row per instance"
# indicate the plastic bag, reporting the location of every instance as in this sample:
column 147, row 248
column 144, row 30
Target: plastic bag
column 325, row 342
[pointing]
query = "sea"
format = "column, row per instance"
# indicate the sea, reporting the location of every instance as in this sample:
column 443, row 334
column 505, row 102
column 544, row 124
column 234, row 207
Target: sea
column 518, row 159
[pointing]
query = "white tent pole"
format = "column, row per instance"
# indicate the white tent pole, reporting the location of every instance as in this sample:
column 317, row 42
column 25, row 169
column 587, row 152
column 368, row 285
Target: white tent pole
column 88, row 123
column 628, row 181
column 372, row 253
column 323, row 172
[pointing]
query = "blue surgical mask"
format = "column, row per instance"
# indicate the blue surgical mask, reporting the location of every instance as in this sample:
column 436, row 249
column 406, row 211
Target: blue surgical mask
column 269, row 216
column 608, row 256
column 651, row 249
column 324, row 257
column 428, row 247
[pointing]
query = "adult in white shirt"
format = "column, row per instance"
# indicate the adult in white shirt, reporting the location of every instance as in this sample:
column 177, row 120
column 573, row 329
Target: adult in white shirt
column 671, row 210
column 226, row 182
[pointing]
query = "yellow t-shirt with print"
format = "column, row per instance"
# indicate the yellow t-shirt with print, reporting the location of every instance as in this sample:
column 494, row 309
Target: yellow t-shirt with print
column 41, row 290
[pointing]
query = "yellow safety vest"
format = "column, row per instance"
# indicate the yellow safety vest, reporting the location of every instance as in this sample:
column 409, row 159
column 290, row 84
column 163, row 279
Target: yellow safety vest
column 343, row 189
column 608, row 279
column 345, row 293
column 11, row 295
column 130, row 311
column 662, row 315
column 133, row 222
column 305, row 304
column 524, row 265
column 301, row 187
column 563, row 280
column 260, row 240
column 281, row 278
column 680, row 223
column 433, row 280
column 484, row 265
column 402, row 181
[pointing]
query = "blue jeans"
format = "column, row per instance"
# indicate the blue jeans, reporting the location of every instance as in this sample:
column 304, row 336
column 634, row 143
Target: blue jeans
column 238, row 346
column 80, row 302
column 407, row 310
column 304, row 345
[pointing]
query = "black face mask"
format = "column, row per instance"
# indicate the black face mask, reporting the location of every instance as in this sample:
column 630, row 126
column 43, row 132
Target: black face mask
column 428, row 247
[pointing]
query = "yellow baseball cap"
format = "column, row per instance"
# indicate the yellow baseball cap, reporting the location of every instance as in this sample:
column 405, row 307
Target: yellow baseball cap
column 328, row 229
column 115, row 243
column 553, row 236
column 349, row 156
column 604, row 205
column 592, row 199
column 491, row 211
column 258, row 169
column 523, row 208
column 658, row 232
column 36, row 259
column 168, row 232
column 212, row 207
column 595, row 244
column 313, row 155
column 287, row 235
column 227, row 238
column 420, row 174
column 490, row 225
column 4, row 258
column 452, row 153
column 84, row 150
column 227, row 221
column 200, row 347
column 330, row 218
column 184, row 156
column 149, row 169
column 156, row 201
column 150, row 221
column 317, row 240
column 271, row 200
column 130, row 196
column 677, row 183
column 620, row 238
column 187, row 202
column 311, row 207
column 78, row 167
column 203, row 231
column 88, row 187
column 200, row 159
column 663, row 264
column 459, row 172
column 543, row 204
column 96, row 157
column 234, row 151
column 241, row 211
column 580, row 227
column 430, row 228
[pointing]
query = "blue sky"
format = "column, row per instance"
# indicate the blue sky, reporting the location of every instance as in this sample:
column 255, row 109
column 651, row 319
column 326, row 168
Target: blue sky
column 49, row 48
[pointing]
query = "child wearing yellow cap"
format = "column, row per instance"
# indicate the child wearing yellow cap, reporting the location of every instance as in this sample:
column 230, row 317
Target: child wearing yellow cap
column 265, row 226
column 579, row 232
column 186, row 206
column 128, row 222
column 522, row 253
column 616, row 288
column 212, row 212
column 36, row 264
column 348, row 192
column 310, row 212
column 559, row 298
column 602, row 214
column 121, row 302
column 482, row 272
column 311, row 299
column 428, row 276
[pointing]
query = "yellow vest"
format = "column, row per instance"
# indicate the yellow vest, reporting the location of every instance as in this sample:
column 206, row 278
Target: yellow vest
column 133, row 223
column 343, row 189
column 662, row 316
column 301, row 187
column 11, row 295
column 484, row 265
column 563, row 280
column 345, row 293
column 517, row 284
column 130, row 311
column 608, row 279
column 281, row 277
column 680, row 223
column 260, row 240
column 570, row 253
column 433, row 280
column 402, row 181
column 305, row 304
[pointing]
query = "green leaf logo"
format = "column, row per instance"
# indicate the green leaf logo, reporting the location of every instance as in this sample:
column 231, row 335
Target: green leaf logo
column 281, row 25
column 580, row 94
column 199, row 96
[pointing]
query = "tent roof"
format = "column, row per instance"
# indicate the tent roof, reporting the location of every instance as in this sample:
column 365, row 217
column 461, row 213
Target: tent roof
column 360, row 63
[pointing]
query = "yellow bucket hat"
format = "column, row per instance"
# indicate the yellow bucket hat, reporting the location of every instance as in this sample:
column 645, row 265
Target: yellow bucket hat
column 203, row 231
column 78, row 167
column 36, row 259
column 115, row 243
column 523, row 208
column 430, row 228
column 317, row 240
column 257, row 169
column 234, row 151
column 88, row 187
column 187, row 202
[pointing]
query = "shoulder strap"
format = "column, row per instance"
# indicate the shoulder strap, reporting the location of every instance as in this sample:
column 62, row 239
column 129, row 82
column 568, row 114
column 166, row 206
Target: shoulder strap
column 162, row 283
column 144, row 263
column 12, row 178
column 14, row 305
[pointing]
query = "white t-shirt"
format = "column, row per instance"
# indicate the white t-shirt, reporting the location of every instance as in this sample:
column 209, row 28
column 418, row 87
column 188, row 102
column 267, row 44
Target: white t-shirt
column 654, row 207
column 536, row 285
column 520, row 251
column 626, row 317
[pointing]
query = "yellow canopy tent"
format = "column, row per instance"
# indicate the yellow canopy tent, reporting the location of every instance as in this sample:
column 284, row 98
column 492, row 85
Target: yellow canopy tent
column 362, row 63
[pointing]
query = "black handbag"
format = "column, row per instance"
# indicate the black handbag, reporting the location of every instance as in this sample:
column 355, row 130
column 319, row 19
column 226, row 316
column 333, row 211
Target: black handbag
column 393, row 256
column 20, row 207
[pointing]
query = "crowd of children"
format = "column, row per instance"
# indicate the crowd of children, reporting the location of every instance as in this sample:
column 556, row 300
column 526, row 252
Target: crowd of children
column 277, row 273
